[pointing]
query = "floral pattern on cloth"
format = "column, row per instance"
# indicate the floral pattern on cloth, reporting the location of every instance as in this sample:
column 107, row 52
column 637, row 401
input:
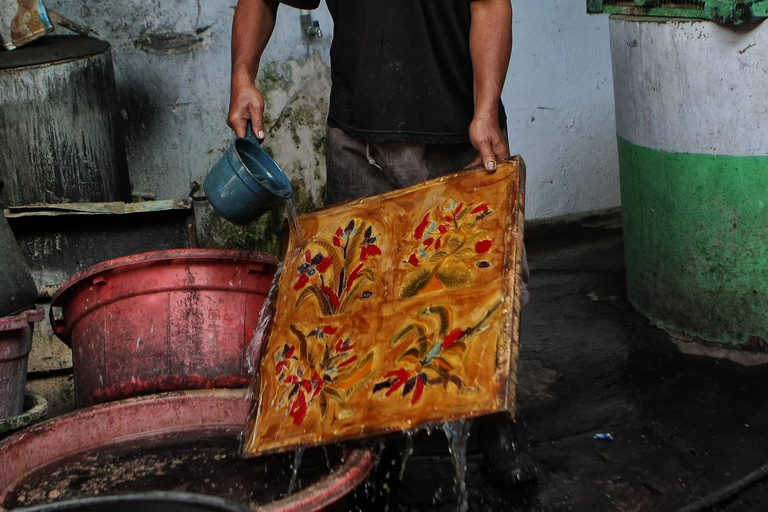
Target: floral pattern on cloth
column 325, row 369
column 446, row 240
column 394, row 312
column 434, row 354
column 337, row 274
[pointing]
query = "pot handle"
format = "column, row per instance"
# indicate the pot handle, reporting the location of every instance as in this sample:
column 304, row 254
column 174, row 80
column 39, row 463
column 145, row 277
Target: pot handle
column 250, row 135
column 255, row 268
column 59, row 325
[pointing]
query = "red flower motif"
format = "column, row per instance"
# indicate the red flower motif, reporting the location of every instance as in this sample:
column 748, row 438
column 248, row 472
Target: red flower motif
column 323, row 265
column 418, row 233
column 443, row 228
column 301, row 283
column 328, row 329
column 331, row 296
column 401, row 377
column 348, row 361
column 369, row 250
column 483, row 246
column 438, row 243
column 298, row 409
column 480, row 208
column 452, row 338
column 317, row 382
column 337, row 237
column 308, row 256
column 283, row 356
column 413, row 260
column 429, row 241
column 306, row 385
column 418, row 390
column 343, row 345
column 353, row 276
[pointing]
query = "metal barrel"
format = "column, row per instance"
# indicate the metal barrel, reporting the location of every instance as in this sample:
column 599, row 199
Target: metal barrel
column 61, row 139
column 690, row 117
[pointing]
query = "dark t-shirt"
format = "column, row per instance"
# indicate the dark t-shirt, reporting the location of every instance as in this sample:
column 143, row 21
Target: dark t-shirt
column 402, row 70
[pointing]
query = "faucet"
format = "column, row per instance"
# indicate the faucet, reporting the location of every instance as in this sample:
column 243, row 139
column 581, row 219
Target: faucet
column 310, row 27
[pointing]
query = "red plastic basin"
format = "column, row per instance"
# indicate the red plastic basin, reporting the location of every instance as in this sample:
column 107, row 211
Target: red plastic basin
column 161, row 321
column 146, row 425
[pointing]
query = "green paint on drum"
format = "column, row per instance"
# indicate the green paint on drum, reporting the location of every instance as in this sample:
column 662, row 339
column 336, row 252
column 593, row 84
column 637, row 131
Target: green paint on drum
column 696, row 242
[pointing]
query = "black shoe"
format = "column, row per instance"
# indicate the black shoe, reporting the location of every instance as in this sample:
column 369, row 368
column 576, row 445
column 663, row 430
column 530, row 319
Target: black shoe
column 505, row 464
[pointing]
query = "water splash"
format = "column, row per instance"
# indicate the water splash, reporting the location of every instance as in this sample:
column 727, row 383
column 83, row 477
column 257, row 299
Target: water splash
column 457, row 433
column 253, row 352
column 257, row 340
column 327, row 458
column 297, row 235
column 407, row 452
column 296, row 463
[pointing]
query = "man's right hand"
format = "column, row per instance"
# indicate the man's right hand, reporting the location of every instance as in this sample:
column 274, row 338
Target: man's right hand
column 251, row 29
column 246, row 104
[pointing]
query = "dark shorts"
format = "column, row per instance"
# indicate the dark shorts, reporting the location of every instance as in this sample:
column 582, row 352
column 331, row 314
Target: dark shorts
column 357, row 169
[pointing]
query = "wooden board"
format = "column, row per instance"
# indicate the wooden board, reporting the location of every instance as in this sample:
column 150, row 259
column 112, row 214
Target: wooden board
column 401, row 310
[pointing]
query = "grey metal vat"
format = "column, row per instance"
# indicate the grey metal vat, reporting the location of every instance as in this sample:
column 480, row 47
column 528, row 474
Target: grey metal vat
column 60, row 135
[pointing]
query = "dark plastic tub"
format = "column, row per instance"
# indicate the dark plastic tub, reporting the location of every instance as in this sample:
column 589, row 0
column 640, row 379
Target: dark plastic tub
column 162, row 321
column 148, row 502
column 15, row 344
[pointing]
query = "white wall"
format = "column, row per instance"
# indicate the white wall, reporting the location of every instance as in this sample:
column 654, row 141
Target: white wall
column 559, row 100
column 172, row 67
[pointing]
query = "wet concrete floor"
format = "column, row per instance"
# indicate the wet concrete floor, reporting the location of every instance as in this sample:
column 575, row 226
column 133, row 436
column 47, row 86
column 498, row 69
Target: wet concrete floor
column 683, row 425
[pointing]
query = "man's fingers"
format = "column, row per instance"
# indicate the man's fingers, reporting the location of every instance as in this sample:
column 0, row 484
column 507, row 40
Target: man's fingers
column 475, row 162
column 238, row 125
column 246, row 106
column 487, row 155
column 502, row 151
column 257, row 123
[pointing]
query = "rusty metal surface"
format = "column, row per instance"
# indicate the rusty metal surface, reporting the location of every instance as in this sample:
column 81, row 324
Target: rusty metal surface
column 151, row 442
column 22, row 21
column 59, row 240
column 162, row 321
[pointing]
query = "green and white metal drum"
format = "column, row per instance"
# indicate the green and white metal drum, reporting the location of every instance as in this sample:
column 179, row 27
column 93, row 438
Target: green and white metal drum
column 692, row 126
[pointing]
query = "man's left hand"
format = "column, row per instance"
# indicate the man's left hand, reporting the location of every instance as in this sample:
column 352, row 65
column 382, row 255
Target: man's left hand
column 487, row 138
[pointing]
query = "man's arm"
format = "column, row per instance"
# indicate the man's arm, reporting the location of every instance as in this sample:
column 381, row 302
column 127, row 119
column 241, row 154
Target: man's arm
column 252, row 27
column 490, row 43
